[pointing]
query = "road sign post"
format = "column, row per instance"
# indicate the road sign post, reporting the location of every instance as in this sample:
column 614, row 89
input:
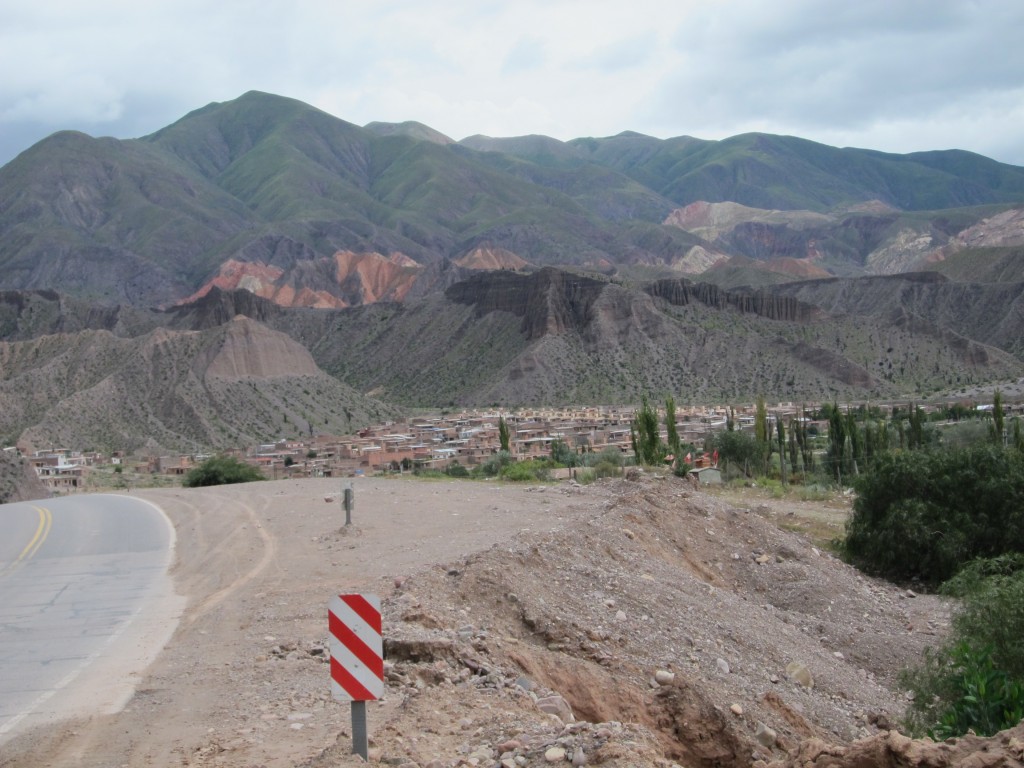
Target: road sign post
column 357, row 659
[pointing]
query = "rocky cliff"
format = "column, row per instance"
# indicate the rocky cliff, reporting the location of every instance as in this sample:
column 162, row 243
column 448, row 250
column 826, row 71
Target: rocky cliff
column 764, row 304
column 991, row 314
column 550, row 301
column 18, row 481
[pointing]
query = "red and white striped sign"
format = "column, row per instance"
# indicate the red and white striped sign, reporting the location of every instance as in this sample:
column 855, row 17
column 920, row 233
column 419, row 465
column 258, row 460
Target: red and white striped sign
column 357, row 649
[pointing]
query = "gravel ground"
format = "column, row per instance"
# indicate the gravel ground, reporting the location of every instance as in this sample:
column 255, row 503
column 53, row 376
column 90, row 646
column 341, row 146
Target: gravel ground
column 621, row 623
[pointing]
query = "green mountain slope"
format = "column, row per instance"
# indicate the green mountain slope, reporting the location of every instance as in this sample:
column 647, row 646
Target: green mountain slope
column 269, row 181
column 766, row 171
column 111, row 219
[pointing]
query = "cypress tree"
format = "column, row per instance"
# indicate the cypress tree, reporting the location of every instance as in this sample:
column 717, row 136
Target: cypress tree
column 503, row 434
column 670, row 426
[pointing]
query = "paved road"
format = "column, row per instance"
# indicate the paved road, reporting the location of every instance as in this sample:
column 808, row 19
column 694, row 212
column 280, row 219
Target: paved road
column 78, row 578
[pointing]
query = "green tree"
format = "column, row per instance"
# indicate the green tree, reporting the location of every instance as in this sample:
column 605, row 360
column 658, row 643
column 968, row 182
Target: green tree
column 856, row 437
column 836, row 442
column 647, row 443
column 221, row 470
column 503, row 435
column 496, row 463
column 456, row 470
column 562, row 454
column 997, row 418
column 804, row 442
column 761, row 420
column 925, row 514
column 780, row 432
column 672, row 433
column 794, row 455
column 761, row 431
column 739, row 448
column 915, row 427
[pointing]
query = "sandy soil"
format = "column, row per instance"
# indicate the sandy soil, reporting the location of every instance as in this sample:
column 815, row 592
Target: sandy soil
column 622, row 623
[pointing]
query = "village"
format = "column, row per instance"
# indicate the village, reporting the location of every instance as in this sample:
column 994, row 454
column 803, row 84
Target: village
column 467, row 438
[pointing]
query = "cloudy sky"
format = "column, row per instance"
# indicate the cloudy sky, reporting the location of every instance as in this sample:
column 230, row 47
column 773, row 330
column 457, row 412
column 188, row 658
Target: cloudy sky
column 894, row 75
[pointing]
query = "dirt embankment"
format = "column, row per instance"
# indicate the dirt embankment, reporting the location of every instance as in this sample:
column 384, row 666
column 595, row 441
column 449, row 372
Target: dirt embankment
column 620, row 624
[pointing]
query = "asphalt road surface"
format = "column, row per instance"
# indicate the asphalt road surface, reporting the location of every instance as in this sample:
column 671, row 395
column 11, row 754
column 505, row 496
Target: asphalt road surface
column 84, row 604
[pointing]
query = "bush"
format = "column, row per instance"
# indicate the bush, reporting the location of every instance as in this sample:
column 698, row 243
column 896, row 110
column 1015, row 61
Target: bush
column 960, row 689
column 976, row 680
column 606, row 469
column 527, row 471
column 221, row 470
column 925, row 515
column 496, row 463
column 456, row 470
column 611, row 456
column 563, row 455
column 992, row 613
column 425, row 473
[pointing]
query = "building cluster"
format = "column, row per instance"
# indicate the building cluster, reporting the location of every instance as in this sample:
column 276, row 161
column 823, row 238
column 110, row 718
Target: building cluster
column 468, row 438
column 63, row 470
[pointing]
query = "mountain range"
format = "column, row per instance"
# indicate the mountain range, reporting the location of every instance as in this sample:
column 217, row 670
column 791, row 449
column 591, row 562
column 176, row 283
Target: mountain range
column 271, row 195
column 261, row 268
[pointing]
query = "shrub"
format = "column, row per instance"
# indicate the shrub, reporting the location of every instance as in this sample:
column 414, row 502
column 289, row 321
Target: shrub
column 927, row 514
column 456, row 470
column 606, row 469
column 431, row 474
column 611, row 456
column 960, row 689
column 496, row 463
column 992, row 613
column 976, row 680
column 221, row 470
column 527, row 471
column 562, row 454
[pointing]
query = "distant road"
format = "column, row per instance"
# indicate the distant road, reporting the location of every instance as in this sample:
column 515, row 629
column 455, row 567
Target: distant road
column 81, row 579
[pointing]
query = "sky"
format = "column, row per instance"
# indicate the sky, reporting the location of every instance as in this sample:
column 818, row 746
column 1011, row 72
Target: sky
column 892, row 75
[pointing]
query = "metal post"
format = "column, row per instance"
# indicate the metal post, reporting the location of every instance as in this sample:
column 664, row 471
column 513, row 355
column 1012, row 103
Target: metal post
column 360, row 742
column 349, row 502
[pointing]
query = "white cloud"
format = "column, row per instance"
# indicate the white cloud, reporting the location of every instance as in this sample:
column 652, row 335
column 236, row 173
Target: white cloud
column 910, row 75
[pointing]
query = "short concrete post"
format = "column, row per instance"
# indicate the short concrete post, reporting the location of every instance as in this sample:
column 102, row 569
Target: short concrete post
column 349, row 503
